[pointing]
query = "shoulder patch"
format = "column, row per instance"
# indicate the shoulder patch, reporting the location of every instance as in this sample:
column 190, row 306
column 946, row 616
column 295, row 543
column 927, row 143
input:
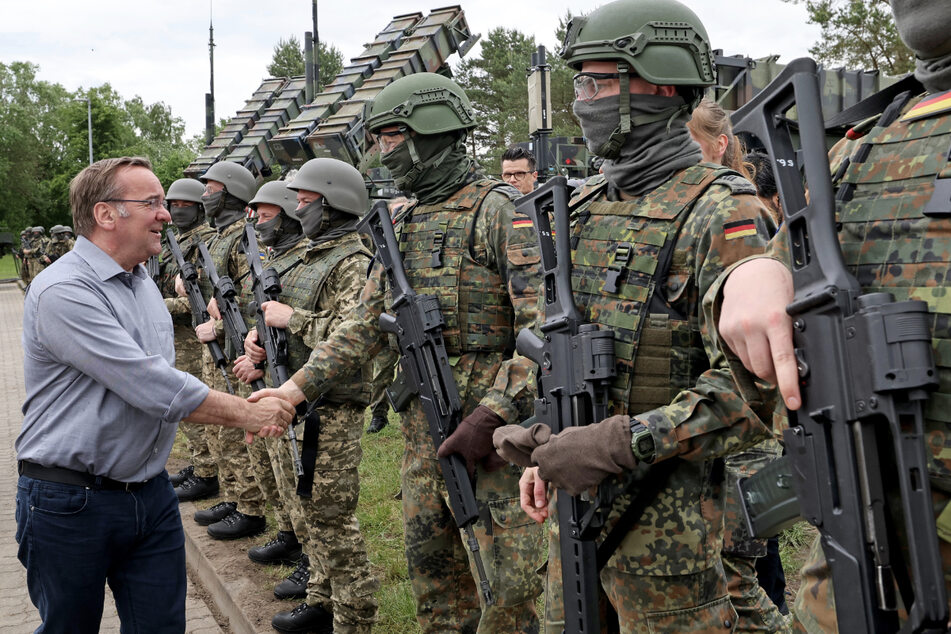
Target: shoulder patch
column 929, row 106
column 736, row 183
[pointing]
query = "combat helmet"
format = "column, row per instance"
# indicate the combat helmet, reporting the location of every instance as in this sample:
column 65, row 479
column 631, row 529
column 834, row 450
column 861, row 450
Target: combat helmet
column 275, row 193
column 428, row 103
column 339, row 183
column 58, row 229
column 187, row 189
column 39, row 230
column 237, row 179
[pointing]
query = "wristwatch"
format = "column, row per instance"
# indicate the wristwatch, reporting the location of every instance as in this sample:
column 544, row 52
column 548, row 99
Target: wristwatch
column 642, row 442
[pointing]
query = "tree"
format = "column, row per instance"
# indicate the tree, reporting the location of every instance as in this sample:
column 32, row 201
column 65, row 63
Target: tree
column 858, row 34
column 288, row 60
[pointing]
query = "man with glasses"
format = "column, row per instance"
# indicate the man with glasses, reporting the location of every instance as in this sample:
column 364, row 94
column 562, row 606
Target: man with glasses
column 650, row 235
column 103, row 401
column 518, row 169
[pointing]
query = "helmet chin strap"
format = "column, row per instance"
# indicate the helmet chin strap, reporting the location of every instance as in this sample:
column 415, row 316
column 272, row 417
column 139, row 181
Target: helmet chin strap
column 419, row 167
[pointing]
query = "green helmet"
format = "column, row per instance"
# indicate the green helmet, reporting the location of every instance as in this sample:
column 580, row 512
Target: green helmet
column 187, row 189
column 38, row 229
column 60, row 229
column 428, row 103
column 662, row 41
column 237, row 179
column 339, row 183
column 275, row 193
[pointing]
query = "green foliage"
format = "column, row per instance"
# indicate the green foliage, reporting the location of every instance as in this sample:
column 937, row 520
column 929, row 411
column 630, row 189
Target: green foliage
column 44, row 141
column 288, row 60
column 858, row 34
column 497, row 87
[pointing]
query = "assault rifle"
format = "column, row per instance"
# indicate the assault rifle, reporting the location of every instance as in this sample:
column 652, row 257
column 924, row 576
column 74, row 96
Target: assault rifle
column 235, row 328
column 417, row 324
column 200, row 315
column 266, row 286
column 576, row 366
column 154, row 267
column 865, row 367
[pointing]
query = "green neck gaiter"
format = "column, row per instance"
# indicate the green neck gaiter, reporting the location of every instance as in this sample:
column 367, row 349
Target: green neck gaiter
column 432, row 167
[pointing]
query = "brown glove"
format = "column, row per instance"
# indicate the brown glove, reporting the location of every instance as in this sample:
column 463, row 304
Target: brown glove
column 515, row 443
column 579, row 458
column 473, row 440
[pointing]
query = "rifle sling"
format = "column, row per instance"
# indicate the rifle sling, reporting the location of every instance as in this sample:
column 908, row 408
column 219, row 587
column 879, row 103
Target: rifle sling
column 308, row 454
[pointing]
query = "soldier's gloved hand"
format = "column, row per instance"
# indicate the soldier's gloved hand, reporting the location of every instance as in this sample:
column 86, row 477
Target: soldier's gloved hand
column 473, row 440
column 579, row 458
column 516, row 444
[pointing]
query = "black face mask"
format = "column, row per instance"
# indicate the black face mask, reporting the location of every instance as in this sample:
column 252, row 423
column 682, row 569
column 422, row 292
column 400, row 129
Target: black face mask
column 185, row 217
column 213, row 203
column 267, row 231
column 312, row 218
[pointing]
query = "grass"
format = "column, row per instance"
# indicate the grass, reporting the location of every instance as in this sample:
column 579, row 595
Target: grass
column 8, row 267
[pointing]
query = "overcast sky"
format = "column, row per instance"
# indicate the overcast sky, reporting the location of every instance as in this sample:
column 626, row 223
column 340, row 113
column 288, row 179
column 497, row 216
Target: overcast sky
column 159, row 49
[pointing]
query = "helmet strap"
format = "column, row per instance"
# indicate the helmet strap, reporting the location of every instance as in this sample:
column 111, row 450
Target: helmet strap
column 611, row 148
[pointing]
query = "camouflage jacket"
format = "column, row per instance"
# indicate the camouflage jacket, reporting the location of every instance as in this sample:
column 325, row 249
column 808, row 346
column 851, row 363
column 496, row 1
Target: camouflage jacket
column 498, row 244
column 188, row 242
column 672, row 376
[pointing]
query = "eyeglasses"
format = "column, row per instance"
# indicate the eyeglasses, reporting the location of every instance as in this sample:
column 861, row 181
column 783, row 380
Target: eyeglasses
column 588, row 85
column 514, row 175
column 151, row 203
column 389, row 138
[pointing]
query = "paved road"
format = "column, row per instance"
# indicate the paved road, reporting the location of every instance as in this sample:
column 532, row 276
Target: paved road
column 17, row 614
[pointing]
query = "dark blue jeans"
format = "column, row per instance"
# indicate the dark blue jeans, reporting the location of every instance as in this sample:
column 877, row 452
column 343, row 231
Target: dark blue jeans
column 74, row 539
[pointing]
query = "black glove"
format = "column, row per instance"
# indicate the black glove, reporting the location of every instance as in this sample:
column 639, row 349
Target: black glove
column 579, row 458
column 473, row 440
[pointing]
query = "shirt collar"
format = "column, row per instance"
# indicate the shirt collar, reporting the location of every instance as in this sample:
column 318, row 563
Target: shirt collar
column 101, row 262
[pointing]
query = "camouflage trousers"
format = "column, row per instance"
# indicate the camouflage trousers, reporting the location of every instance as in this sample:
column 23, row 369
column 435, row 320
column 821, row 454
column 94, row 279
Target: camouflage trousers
column 228, row 449
column 340, row 576
column 815, row 611
column 188, row 358
column 441, row 569
column 755, row 611
column 384, row 369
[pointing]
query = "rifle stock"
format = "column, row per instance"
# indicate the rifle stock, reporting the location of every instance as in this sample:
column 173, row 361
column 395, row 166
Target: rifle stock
column 417, row 323
column 865, row 366
column 200, row 314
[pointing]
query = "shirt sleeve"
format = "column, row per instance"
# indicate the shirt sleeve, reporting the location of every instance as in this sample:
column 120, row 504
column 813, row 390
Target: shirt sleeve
column 513, row 250
column 715, row 416
column 77, row 327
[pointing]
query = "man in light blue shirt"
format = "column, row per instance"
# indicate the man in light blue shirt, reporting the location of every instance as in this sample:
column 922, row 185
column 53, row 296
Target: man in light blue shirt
column 94, row 502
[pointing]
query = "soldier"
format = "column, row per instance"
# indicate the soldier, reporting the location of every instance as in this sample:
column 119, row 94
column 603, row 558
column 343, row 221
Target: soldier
column 882, row 225
column 23, row 256
column 200, row 479
column 39, row 243
column 650, row 235
column 61, row 242
column 228, row 189
column 320, row 287
column 461, row 242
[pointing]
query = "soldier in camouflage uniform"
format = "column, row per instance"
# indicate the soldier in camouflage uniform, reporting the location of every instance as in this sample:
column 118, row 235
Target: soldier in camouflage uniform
column 61, row 242
column 200, row 479
column 462, row 242
column 23, row 256
column 36, row 257
column 228, row 188
column 649, row 237
column 890, row 246
column 321, row 284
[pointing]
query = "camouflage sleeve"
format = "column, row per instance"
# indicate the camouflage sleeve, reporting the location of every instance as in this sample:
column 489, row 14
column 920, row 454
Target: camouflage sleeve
column 338, row 298
column 354, row 341
column 713, row 418
column 178, row 305
column 511, row 246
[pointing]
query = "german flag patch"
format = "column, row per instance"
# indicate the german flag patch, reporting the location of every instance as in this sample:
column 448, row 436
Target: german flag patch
column 521, row 223
column 739, row 229
column 932, row 105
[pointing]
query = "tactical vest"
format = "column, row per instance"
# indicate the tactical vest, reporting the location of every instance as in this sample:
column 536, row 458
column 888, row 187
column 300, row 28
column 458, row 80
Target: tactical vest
column 301, row 287
column 891, row 246
column 437, row 244
column 623, row 258
column 220, row 247
column 188, row 243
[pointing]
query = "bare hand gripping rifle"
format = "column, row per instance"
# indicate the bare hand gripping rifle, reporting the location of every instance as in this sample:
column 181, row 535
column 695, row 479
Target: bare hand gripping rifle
column 576, row 365
column 266, row 286
column 200, row 314
column 865, row 368
column 417, row 323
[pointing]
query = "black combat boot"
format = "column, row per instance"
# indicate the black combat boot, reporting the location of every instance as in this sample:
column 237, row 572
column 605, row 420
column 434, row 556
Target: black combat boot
column 216, row 513
column 377, row 423
column 195, row 488
column 304, row 618
column 182, row 475
column 295, row 585
column 237, row 525
column 283, row 549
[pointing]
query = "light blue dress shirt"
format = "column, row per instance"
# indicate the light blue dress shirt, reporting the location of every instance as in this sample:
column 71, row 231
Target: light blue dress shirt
column 102, row 393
